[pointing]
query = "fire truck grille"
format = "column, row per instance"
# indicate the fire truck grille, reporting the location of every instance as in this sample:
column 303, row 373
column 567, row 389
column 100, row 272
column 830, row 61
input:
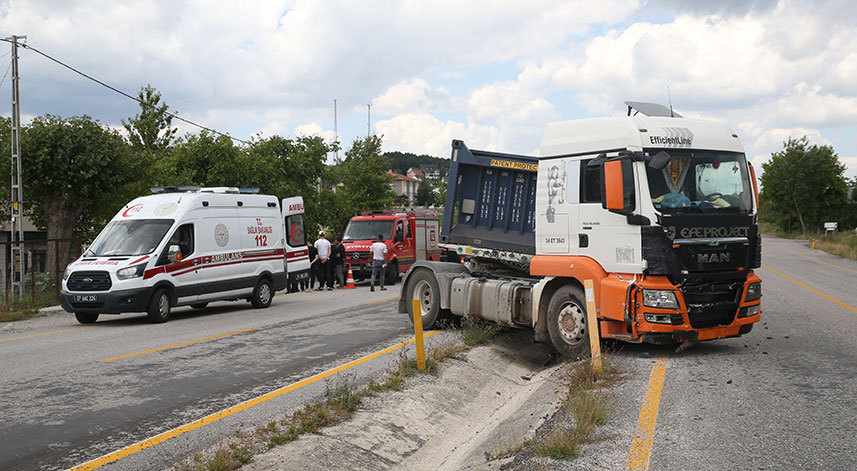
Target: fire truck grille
column 89, row 281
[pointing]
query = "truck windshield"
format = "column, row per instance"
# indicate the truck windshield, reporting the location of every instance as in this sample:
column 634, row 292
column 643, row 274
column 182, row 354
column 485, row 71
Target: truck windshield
column 365, row 230
column 701, row 181
column 128, row 238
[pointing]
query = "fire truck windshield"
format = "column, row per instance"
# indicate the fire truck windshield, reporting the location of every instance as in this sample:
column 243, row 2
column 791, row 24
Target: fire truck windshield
column 701, row 181
column 368, row 230
column 129, row 238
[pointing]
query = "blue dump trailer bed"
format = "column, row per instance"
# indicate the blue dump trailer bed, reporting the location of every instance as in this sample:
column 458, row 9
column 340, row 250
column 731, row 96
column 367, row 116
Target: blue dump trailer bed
column 490, row 200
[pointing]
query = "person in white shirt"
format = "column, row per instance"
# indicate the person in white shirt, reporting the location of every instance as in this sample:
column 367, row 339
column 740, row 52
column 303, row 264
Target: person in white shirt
column 325, row 267
column 379, row 262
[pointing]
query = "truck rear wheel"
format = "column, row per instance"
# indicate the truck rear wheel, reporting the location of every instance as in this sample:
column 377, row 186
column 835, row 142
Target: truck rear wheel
column 423, row 287
column 567, row 322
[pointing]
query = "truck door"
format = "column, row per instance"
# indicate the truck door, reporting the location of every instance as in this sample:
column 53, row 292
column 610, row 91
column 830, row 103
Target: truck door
column 297, row 254
column 402, row 246
column 558, row 208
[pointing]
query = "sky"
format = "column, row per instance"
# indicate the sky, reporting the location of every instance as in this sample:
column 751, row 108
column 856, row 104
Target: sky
column 492, row 73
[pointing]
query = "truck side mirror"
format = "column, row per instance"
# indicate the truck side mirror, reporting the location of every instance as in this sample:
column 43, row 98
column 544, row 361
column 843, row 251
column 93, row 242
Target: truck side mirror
column 617, row 186
column 174, row 254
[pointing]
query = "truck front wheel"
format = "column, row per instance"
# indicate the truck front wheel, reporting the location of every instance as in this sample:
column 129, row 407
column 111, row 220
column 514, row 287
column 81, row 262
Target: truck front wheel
column 392, row 275
column 567, row 322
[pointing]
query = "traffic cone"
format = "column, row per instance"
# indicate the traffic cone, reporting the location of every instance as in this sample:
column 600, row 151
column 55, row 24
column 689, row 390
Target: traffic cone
column 349, row 282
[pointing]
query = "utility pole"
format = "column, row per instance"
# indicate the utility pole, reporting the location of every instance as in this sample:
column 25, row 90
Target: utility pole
column 16, row 231
column 368, row 120
column 335, row 129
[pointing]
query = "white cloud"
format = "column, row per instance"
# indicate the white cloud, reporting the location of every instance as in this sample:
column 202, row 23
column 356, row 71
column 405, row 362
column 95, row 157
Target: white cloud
column 414, row 95
column 424, row 134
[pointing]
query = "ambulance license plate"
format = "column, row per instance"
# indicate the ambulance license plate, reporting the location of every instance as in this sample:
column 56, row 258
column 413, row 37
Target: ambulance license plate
column 86, row 298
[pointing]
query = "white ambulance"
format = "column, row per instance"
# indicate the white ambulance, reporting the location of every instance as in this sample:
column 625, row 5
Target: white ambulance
column 188, row 246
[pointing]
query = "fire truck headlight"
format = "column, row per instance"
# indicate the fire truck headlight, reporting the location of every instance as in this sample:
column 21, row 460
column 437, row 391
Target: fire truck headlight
column 660, row 298
column 131, row 272
column 754, row 292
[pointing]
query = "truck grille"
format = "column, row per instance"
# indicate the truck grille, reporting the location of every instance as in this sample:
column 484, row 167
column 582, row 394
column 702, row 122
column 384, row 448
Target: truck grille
column 89, row 281
column 712, row 305
column 359, row 256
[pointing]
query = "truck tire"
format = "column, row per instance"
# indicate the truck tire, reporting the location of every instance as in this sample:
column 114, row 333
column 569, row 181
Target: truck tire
column 86, row 317
column 392, row 275
column 423, row 286
column 159, row 307
column 263, row 294
column 567, row 322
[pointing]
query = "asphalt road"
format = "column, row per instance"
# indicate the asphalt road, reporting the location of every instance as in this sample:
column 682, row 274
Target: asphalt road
column 783, row 396
column 71, row 393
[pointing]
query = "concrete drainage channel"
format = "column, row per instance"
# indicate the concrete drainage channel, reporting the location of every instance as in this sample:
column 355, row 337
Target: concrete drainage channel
column 491, row 401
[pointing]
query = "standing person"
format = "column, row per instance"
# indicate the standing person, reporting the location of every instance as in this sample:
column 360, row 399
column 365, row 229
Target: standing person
column 379, row 262
column 313, row 267
column 339, row 261
column 325, row 268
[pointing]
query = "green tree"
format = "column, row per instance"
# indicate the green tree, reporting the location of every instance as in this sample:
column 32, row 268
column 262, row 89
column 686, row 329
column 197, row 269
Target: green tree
column 73, row 171
column 365, row 184
column 806, row 182
column 151, row 130
column 425, row 195
column 441, row 192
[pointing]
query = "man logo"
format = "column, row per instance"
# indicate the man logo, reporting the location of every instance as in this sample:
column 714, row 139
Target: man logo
column 712, row 258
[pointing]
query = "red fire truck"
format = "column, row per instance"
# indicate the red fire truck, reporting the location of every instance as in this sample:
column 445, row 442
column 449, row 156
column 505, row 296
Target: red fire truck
column 409, row 237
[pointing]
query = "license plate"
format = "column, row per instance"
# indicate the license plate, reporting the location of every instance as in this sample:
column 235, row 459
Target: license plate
column 86, row 298
column 302, row 276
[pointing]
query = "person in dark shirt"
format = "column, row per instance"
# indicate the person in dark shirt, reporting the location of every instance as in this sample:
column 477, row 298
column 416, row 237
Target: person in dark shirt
column 339, row 260
column 313, row 270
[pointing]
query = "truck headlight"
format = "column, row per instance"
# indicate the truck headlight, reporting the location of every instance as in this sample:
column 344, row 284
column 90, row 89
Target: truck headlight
column 754, row 292
column 660, row 298
column 131, row 272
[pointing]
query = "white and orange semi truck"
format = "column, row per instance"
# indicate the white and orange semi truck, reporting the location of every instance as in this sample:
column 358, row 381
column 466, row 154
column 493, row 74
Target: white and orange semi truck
column 659, row 211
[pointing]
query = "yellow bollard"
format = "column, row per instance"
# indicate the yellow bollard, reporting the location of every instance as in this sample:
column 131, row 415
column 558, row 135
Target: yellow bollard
column 813, row 244
column 418, row 335
column 592, row 323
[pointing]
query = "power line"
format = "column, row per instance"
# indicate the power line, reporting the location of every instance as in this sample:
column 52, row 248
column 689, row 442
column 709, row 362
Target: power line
column 6, row 74
column 172, row 115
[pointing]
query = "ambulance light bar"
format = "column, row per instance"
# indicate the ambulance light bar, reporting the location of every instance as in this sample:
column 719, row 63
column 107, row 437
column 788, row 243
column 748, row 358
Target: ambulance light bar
column 173, row 189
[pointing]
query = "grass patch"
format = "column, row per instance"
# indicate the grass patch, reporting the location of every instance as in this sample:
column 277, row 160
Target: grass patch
column 559, row 445
column 475, row 333
column 25, row 308
column 340, row 401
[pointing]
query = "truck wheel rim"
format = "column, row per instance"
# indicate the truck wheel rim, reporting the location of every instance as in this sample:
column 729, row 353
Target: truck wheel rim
column 572, row 323
column 422, row 292
column 163, row 305
column 264, row 293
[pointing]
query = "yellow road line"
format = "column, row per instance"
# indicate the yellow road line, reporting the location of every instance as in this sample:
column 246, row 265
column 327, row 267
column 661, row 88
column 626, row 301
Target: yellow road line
column 641, row 445
column 812, row 289
column 382, row 300
column 821, row 261
column 178, row 345
column 47, row 333
column 157, row 439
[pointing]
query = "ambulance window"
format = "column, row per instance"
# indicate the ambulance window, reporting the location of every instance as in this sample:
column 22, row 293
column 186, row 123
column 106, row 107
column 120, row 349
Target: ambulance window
column 183, row 237
column 295, row 230
column 590, row 183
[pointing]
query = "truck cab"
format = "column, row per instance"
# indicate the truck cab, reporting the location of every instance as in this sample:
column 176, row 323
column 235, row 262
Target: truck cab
column 658, row 211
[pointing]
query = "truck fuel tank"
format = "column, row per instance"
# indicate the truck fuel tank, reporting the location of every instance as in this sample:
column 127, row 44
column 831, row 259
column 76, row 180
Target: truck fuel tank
column 507, row 302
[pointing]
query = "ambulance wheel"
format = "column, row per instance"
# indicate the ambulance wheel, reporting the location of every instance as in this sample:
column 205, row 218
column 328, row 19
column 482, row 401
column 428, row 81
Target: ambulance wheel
column 86, row 317
column 567, row 322
column 199, row 305
column 159, row 307
column 263, row 294
column 392, row 275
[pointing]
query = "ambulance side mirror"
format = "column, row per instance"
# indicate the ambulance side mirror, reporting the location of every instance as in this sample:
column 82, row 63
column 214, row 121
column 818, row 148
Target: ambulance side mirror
column 617, row 186
column 174, row 254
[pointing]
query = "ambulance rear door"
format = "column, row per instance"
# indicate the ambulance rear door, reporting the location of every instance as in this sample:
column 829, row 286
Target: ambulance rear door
column 297, row 254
